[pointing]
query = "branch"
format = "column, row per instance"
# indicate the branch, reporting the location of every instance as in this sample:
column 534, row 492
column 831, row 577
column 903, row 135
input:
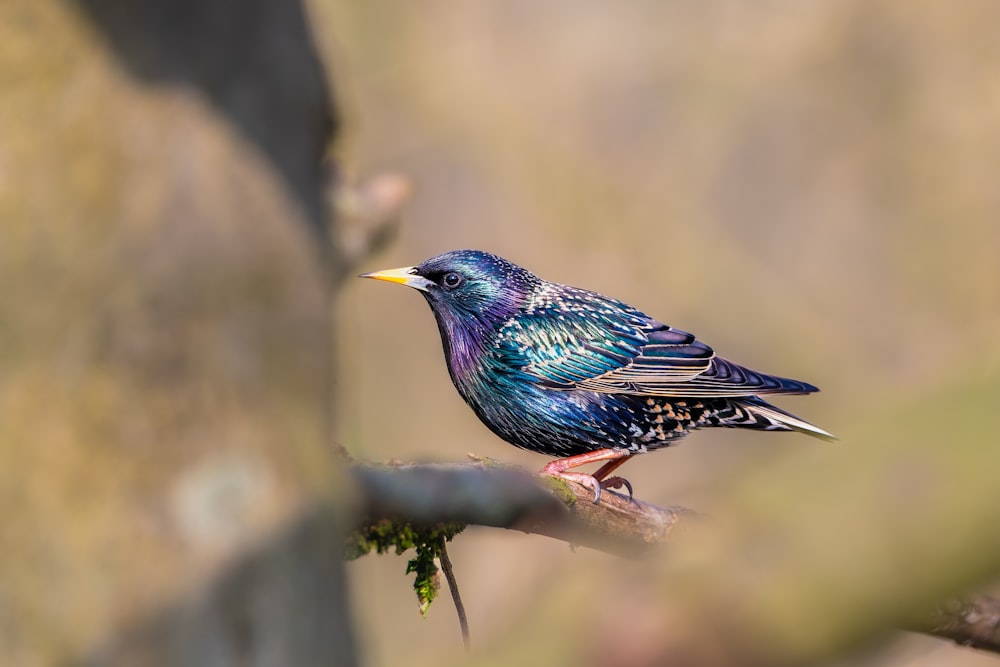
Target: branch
column 485, row 494
column 970, row 621
column 367, row 215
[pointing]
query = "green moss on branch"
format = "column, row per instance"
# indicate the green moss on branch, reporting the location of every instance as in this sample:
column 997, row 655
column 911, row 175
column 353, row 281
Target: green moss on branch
column 383, row 535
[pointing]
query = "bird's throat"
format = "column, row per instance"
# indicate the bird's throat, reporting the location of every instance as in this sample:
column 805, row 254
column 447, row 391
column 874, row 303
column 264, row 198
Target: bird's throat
column 464, row 349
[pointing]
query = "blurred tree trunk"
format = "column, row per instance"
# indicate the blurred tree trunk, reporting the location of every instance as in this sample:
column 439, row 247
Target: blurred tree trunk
column 165, row 336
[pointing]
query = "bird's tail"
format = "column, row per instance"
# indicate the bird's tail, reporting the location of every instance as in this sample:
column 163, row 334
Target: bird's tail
column 773, row 418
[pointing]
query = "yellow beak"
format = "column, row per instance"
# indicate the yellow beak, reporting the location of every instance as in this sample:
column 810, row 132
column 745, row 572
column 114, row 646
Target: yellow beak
column 402, row 276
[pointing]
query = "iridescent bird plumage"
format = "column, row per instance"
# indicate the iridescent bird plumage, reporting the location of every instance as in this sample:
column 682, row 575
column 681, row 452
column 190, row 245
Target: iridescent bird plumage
column 574, row 374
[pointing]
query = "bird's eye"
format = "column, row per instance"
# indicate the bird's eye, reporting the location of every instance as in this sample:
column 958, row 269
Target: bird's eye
column 451, row 280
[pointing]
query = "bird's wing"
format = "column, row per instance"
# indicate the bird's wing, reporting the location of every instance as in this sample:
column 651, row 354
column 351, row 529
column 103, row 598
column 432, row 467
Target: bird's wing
column 586, row 341
column 674, row 363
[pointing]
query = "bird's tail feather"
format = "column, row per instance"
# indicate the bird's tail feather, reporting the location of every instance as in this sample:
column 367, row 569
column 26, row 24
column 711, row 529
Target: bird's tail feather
column 781, row 420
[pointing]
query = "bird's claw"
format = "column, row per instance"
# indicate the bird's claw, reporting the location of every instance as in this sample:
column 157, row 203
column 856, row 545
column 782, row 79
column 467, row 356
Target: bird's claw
column 618, row 483
column 592, row 483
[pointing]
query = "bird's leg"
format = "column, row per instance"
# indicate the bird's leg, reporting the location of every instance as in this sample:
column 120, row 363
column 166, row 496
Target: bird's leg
column 559, row 467
column 613, row 482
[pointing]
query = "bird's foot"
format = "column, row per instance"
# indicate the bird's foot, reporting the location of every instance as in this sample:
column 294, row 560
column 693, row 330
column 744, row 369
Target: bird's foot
column 597, row 481
column 581, row 478
column 591, row 482
column 617, row 483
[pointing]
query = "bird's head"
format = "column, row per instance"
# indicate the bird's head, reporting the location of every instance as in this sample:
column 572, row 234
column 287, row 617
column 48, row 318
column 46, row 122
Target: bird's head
column 466, row 288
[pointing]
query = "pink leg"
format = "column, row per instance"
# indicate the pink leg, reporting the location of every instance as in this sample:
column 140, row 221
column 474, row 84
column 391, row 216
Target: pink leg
column 558, row 468
column 609, row 468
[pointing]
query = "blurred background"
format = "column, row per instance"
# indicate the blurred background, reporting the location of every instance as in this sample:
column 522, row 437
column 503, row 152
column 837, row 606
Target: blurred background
column 811, row 188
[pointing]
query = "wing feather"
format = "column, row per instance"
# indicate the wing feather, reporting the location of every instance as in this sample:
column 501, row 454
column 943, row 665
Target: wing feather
column 582, row 340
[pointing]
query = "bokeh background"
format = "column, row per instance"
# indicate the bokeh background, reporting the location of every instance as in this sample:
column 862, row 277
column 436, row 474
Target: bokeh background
column 810, row 187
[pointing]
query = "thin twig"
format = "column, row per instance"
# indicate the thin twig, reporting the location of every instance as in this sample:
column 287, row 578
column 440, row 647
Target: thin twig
column 449, row 574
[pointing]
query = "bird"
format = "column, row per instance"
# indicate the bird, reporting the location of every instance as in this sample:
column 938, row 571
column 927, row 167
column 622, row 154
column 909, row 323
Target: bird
column 582, row 377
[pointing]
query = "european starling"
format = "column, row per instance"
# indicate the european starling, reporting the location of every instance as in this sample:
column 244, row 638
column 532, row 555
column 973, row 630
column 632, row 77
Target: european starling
column 573, row 374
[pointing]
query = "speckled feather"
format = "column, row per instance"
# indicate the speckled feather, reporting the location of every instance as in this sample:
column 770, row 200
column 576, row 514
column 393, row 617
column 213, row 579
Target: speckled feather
column 564, row 371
